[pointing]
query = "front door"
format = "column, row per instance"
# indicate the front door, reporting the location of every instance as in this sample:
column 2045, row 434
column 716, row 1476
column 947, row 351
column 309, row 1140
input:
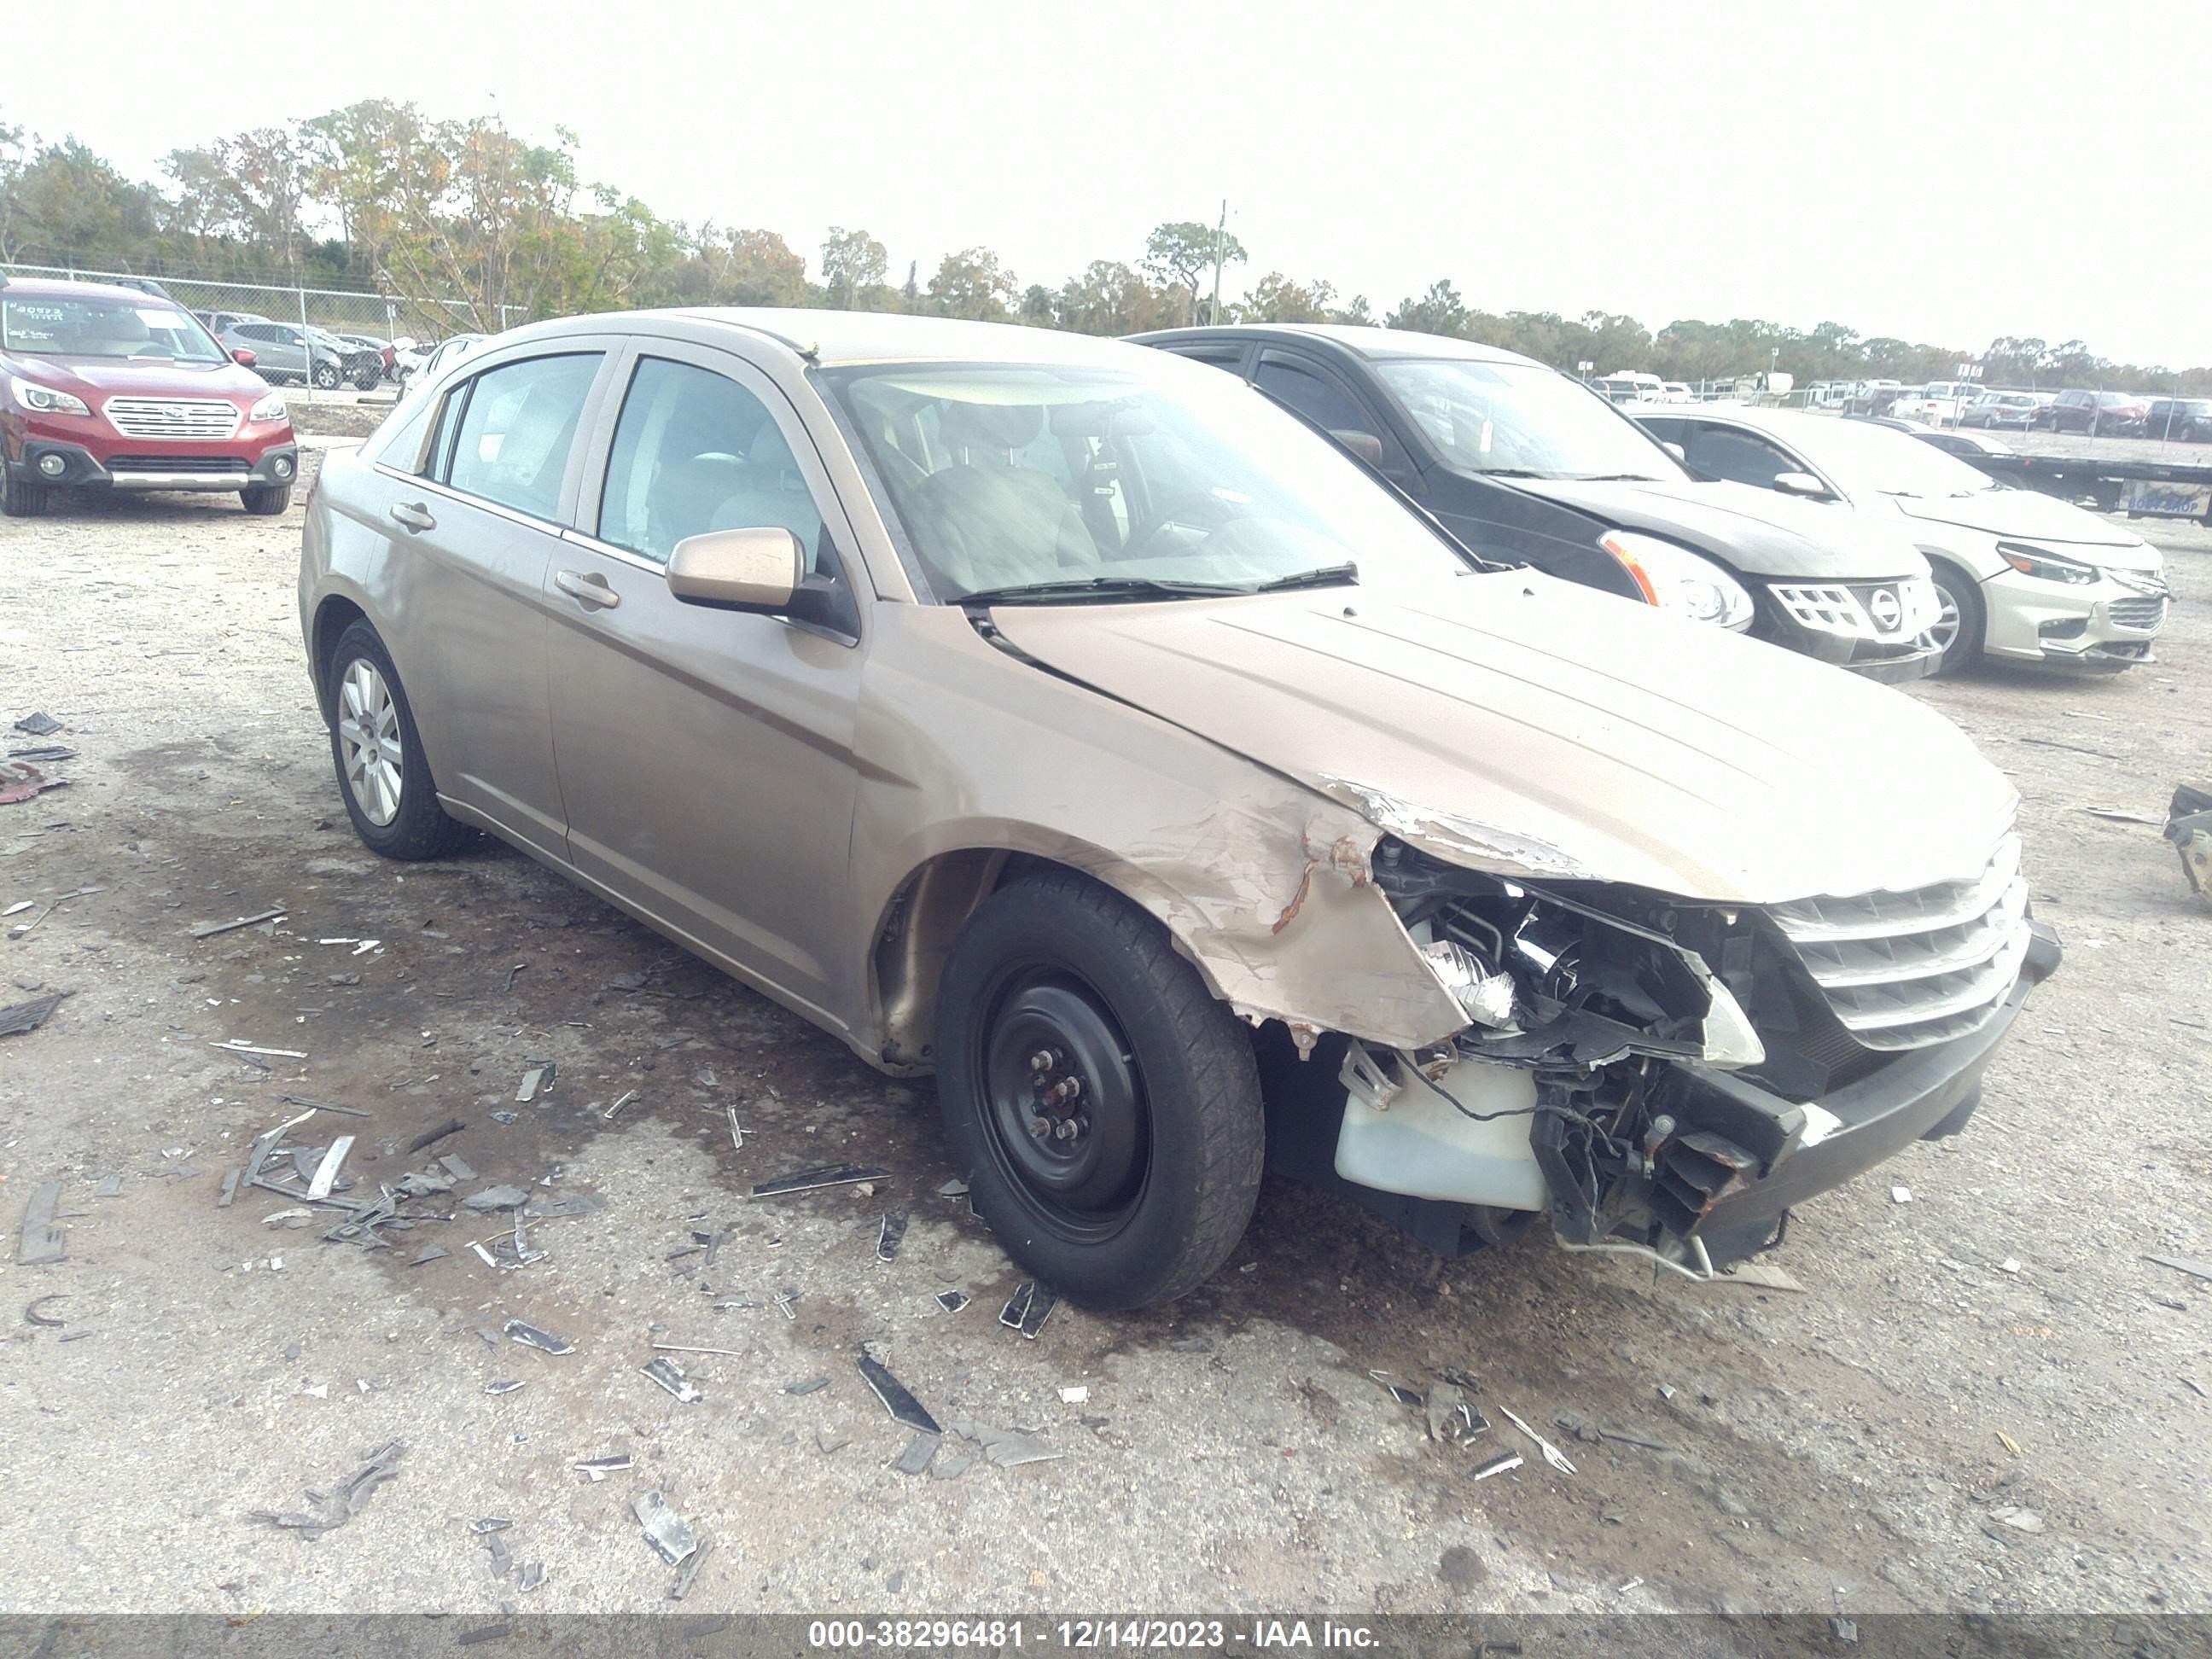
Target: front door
column 706, row 757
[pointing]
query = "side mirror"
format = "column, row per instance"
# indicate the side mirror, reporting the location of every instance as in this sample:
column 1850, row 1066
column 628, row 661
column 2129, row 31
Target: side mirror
column 1800, row 483
column 242, row 357
column 756, row 568
column 1677, row 452
column 1364, row 445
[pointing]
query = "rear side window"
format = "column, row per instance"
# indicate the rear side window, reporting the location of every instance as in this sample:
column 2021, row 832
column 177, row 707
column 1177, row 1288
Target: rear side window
column 693, row 451
column 1216, row 356
column 516, row 427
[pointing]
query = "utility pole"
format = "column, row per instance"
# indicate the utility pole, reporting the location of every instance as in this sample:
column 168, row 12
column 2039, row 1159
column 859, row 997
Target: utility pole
column 1220, row 231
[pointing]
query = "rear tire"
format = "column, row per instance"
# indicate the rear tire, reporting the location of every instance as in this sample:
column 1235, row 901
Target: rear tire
column 266, row 501
column 1961, row 618
column 383, row 773
column 328, row 377
column 1154, row 1182
column 19, row 500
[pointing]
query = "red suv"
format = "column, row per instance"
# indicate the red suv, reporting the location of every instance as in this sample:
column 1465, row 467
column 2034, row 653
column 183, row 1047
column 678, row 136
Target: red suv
column 111, row 388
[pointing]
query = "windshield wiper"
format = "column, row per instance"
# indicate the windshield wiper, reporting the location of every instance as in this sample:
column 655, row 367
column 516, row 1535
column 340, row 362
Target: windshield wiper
column 1327, row 575
column 1102, row 587
column 1613, row 478
column 1511, row 473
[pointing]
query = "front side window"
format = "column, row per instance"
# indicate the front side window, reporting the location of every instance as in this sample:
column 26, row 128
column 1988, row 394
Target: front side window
column 68, row 327
column 1722, row 452
column 516, row 428
column 1136, row 482
column 693, row 451
column 1521, row 420
column 1320, row 399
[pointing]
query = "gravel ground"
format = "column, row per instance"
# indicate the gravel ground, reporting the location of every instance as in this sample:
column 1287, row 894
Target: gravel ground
column 1985, row 1399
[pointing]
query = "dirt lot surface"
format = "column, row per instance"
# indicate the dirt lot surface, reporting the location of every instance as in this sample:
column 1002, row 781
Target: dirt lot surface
column 1983, row 1399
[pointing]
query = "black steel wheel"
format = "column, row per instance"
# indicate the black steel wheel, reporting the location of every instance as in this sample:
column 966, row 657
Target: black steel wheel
column 1105, row 1107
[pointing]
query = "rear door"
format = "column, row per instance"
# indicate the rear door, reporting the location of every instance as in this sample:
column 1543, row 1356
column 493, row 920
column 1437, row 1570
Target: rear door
column 474, row 516
column 706, row 756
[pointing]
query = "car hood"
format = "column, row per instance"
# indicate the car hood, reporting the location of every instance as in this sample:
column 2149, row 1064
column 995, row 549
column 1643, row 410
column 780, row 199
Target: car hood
column 2031, row 515
column 1513, row 722
column 1756, row 532
column 129, row 378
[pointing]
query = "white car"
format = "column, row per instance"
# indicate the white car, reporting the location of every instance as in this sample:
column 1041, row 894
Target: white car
column 420, row 364
column 2020, row 575
column 1940, row 402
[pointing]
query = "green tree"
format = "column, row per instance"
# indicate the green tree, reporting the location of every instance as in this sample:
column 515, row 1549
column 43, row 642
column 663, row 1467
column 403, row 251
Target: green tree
column 1276, row 299
column 852, row 260
column 1440, row 311
column 1110, row 298
column 973, row 284
column 1180, row 255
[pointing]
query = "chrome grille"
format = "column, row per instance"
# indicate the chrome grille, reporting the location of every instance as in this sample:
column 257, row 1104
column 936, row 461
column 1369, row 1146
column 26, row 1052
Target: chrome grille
column 2148, row 614
column 1902, row 970
column 171, row 417
column 1878, row 610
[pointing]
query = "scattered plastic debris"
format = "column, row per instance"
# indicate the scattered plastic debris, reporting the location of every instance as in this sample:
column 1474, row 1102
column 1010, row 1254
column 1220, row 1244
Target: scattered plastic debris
column 489, row 1524
column 1760, row 1275
column 2019, row 1519
column 1077, row 1395
column 897, row 1401
column 1027, row 1308
column 828, row 1175
column 2188, row 1265
column 26, row 1017
column 1552, row 1454
column 1499, row 1465
column 1452, row 1418
column 503, row 1385
column 599, row 1469
column 451, row 1126
column 919, row 1453
column 1007, row 1447
column 806, row 1385
column 667, row 1374
column 345, row 1499
column 621, row 1100
column 951, row 1301
column 42, row 1243
column 488, row 1199
column 531, row 1576
column 1843, row 1630
column 35, row 1317
column 664, row 1528
column 549, row 1209
column 2009, row 1443
column 326, row 1173
column 893, row 1231
column 20, row 781
column 536, row 1081
column 787, row 1302
column 1900, row 1194
column 531, row 1337
column 1399, row 1390
column 456, row 1166
column 690, row 1570
column 39, row 724
column 209, row 930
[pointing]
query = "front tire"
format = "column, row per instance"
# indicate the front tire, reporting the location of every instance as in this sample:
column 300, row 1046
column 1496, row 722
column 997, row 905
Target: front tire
column 20, row 499
column 266, row 500
column 1959, row 624
column 1131, row 1187
column 383, row 773
column 328, row 377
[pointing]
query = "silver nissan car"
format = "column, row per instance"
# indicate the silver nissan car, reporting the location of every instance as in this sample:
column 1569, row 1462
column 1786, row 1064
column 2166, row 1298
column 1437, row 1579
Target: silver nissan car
column 1066, row 719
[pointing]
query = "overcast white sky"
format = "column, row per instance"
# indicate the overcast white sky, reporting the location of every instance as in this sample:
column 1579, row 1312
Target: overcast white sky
column 1946, row 172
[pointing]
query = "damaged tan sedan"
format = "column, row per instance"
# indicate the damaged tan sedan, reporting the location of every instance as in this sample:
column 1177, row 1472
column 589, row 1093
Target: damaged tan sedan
column 1065, row 720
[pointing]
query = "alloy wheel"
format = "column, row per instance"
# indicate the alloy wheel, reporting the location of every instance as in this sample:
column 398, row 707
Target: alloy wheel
column 368, row 738
column 1945, row 632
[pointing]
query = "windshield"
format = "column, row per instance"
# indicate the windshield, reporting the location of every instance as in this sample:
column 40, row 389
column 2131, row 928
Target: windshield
column 1869, row 460
column 48, row 326
column 1015, row 475
column 1518, row 418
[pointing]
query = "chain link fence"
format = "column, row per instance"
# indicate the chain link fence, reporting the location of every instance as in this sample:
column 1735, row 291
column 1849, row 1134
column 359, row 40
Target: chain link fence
column 347, row 333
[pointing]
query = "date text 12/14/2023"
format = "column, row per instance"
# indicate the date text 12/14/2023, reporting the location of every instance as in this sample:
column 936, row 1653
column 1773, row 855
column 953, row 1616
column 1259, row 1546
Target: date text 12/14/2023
column 1201, row 1634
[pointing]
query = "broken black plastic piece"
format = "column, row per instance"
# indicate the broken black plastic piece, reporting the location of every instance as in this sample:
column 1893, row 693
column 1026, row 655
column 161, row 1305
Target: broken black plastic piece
column 828, row 1175
column 888, row 1240
column 896, row 1398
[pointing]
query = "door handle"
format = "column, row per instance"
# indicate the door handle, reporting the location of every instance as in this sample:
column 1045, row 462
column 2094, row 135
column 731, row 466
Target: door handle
column 415, row 516
column 591, row 588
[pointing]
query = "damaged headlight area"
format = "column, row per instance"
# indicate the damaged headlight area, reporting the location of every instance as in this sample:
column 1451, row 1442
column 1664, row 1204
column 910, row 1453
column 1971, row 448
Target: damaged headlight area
column 1641, row 1067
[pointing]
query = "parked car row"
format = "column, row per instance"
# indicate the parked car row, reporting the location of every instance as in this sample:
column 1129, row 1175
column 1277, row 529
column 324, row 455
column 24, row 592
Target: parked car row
column 284, row 355
column 1337, row 749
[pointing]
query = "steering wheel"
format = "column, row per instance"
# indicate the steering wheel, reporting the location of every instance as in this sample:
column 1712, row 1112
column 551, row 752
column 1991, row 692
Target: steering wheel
column 1201, row 509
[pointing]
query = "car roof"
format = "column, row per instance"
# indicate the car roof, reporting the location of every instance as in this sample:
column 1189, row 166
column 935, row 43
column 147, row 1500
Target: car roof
column 1373, row 343
column 830, row 337
column 33, row 287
